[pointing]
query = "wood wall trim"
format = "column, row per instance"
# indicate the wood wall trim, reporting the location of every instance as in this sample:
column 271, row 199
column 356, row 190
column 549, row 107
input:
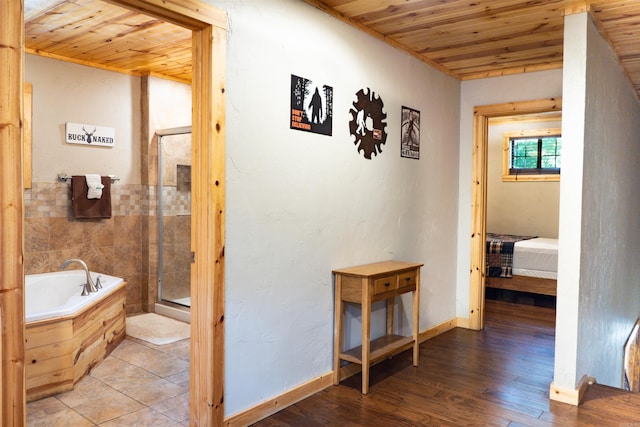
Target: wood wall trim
column 13, row 405
column 207, row 230
column 209, row 41
column 482, row 114
column 271, row 406
column 278, row 403
column 517, row 108
column 1, row 369
column 191, row 14
column 579, row 6
column 571, row 396
column 209, row 45
column 440, row 328
column 478, row 221
column 102, row 66
column 512, row 70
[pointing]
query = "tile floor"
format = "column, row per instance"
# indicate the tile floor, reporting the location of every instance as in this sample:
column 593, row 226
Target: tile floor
column 139, row 384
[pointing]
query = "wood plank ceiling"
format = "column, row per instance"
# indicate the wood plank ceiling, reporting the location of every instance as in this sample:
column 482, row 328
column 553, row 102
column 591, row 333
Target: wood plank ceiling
column 96, row 33
column 468, row 39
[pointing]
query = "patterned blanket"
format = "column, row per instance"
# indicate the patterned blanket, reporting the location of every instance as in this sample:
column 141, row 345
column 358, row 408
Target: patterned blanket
column 500, row 253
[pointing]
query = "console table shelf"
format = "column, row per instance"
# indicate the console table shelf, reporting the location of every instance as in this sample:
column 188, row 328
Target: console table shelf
column 364, row 285
column 379, row 349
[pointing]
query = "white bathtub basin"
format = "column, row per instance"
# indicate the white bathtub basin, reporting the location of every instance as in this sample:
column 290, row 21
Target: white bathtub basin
column 58, row 294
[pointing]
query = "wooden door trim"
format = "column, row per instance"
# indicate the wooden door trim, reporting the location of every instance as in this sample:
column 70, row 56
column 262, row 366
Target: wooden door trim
column 12, row 386
column 209, row 26
column 482, row 114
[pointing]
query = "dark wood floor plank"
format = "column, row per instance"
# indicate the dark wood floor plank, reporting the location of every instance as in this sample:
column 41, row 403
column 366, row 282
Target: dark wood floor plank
column 496, row 377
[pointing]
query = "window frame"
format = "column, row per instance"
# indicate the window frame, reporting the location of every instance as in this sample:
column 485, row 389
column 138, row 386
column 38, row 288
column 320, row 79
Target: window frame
column 506, row 154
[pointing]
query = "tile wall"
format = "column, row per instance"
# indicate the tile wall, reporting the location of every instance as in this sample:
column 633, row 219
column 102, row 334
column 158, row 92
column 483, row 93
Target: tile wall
column 111, row 246
column 126, row 245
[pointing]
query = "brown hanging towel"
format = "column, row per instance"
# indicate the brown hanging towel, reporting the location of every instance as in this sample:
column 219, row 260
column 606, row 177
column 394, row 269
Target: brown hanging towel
column 85, row 208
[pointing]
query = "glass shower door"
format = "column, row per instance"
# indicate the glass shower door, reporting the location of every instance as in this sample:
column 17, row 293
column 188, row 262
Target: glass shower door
column 174, row 216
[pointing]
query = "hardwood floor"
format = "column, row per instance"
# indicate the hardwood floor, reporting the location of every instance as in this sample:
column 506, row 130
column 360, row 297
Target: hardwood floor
column 496, row 377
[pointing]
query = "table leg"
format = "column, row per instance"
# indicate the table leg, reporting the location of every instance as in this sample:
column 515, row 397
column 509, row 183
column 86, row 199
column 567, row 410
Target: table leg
column 390, row 310
column 337, row 331
column 366, row 334
column 416, row 320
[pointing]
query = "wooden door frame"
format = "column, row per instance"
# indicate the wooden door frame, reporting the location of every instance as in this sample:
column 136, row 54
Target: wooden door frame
column 209, row 36
column 481, row 116
column 12, row 321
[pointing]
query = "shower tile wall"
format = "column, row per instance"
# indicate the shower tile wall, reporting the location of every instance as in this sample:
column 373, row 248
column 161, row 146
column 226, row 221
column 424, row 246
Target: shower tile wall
column 176, row 257
column 111, row 246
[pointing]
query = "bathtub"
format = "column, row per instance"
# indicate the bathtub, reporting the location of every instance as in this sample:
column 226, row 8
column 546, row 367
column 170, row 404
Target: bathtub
column 68, row 334
column 57, row 294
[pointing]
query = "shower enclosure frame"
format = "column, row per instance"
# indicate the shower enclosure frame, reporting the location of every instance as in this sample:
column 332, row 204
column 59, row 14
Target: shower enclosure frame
column 161, row 133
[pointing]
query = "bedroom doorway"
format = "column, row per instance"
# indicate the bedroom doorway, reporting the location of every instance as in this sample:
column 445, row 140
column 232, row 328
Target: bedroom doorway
column 482, row 116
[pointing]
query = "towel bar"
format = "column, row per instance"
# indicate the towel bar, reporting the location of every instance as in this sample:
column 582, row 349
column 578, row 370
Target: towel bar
column 62, row 177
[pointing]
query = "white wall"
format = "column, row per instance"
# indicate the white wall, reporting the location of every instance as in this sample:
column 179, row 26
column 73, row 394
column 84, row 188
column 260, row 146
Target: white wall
column 65, row 92
column 598, row 290
column 497, row 90
column 529, row 208
column 301, row 204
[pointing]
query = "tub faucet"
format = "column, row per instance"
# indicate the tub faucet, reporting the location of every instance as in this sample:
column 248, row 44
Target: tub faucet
column 90, row 284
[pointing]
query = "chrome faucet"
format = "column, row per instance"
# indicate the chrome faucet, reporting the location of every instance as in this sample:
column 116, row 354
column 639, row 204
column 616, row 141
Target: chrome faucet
column 90, row 285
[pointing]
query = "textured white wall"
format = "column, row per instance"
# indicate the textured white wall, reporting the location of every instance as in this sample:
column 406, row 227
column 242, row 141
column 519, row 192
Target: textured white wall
column 609, row 240
column 497, row 90
column 169, row 104
column 528, row 208
column 65, row 92
column 571, row 189
column 300, row 204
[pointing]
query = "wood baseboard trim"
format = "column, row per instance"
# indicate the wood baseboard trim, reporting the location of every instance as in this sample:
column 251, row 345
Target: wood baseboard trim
column 271, row 406
column 570, row 396
column 438, row 329
column 462, row 322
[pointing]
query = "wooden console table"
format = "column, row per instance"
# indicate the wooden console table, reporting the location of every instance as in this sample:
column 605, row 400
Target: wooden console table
column 364, row 285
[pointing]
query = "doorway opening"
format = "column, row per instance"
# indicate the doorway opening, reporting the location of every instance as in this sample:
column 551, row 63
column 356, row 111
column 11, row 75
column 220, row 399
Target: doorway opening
column 482, row 115
column 208, row 27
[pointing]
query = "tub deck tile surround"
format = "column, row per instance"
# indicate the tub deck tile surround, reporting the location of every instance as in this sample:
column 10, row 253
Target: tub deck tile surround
column 113, row 394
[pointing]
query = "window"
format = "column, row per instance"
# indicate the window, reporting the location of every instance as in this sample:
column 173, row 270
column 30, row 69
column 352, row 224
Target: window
column 532, row 155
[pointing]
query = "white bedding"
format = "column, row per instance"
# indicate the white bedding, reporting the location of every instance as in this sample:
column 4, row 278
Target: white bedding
column 536, row 258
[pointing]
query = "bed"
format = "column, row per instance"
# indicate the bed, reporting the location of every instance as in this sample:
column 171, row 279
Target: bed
column 522, row 263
